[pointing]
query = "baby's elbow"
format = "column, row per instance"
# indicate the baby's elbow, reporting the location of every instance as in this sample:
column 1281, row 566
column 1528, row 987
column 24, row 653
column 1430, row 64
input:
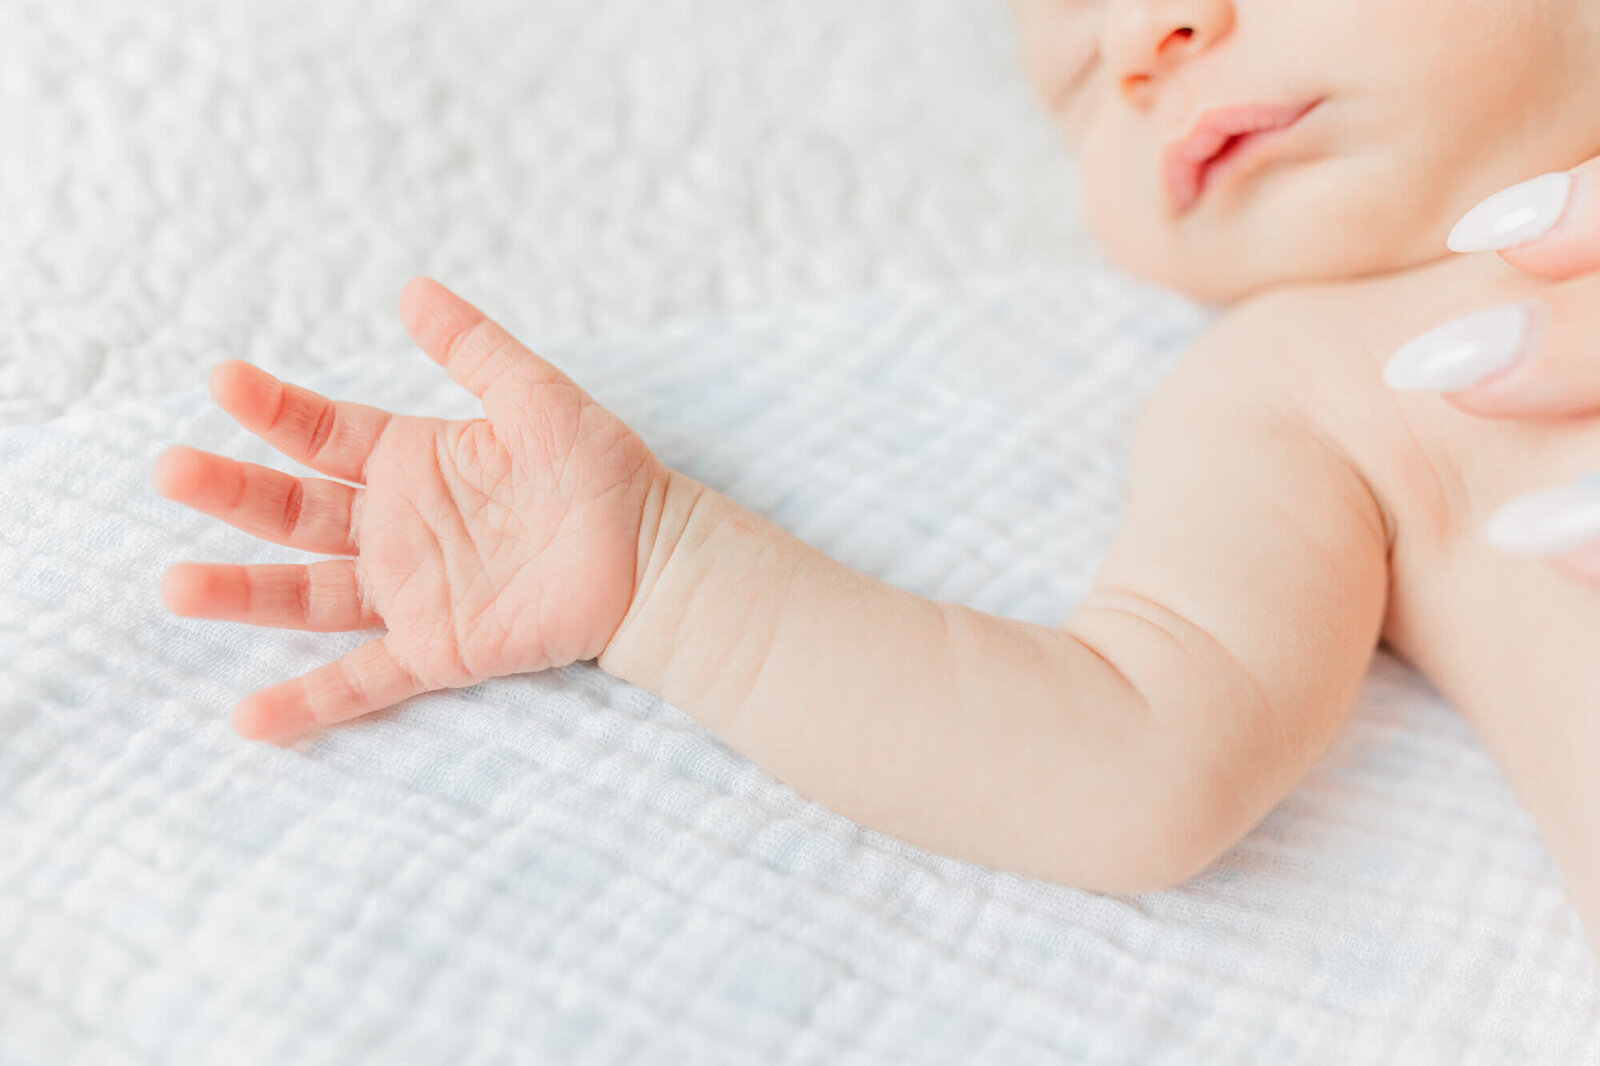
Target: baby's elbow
column 1154, row 856
column 1172, row 824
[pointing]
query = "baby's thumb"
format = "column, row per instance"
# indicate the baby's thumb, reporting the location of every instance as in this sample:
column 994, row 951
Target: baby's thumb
column 1548, row 226
column 478, row 354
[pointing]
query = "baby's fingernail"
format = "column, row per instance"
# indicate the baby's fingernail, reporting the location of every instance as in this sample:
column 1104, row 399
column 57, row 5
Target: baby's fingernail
column 1515, row 216
column 1553, row 522
column 1462, row 352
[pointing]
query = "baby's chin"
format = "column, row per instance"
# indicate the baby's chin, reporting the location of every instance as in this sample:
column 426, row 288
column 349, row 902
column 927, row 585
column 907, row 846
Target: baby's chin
column 1292, row 234
column 1227, row 271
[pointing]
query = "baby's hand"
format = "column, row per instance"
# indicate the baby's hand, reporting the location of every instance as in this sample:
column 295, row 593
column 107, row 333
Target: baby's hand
column 493, row 546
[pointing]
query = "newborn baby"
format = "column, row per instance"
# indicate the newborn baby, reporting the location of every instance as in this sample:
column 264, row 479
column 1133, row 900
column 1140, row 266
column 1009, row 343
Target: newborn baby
column 1287, row 510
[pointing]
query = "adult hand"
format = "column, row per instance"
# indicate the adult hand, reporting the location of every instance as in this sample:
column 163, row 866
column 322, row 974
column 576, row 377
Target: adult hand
column 1539, row 359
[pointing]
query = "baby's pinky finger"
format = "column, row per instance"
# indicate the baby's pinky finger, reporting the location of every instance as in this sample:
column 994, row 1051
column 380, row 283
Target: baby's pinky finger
column 368, row 679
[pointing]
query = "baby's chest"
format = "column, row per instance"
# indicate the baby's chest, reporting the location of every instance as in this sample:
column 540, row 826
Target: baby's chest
column 1510, row 642
column 1458, row 605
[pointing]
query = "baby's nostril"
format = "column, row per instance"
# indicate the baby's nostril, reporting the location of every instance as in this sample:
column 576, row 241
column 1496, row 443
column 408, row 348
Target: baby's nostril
column 1178, row 37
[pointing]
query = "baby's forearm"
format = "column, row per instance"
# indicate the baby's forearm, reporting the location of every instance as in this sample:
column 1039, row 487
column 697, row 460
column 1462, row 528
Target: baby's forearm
column 988, row 739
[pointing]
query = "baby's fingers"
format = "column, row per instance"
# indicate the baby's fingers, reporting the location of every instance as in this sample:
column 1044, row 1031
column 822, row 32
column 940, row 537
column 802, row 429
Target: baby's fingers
column 477, row 352
column 306, row 513
column 368, row 679
column 323, row 597
column 331, row 436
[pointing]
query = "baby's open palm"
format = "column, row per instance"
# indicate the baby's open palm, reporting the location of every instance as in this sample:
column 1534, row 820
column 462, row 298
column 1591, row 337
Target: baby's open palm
column 493, row 546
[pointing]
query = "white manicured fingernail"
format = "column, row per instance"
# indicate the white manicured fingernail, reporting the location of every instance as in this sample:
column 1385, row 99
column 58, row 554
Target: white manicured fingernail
column 1461, row 352
column 1515, row 216
column 1552, row 522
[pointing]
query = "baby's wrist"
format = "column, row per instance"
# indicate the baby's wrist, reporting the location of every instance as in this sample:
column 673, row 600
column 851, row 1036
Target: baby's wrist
column 672, row 525
column 712, row 578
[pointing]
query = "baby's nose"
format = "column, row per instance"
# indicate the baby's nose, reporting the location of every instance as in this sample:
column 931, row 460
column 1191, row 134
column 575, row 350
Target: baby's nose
column 1144, row 40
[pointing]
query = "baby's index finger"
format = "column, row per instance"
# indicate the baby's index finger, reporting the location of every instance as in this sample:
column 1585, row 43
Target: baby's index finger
column 242, row 390
column 334, row 437
column 1549, row 226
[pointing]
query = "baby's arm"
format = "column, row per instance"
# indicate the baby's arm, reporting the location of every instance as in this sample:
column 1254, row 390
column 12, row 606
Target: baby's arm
column 1231, row 624
column 1227, row 634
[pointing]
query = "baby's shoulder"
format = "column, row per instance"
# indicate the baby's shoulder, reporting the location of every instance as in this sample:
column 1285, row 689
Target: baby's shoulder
column 1316, row 354
column 1269, row 382
column 1320, row 349
column 1306, row 361
column 1290, row 350
column 1283, row 334
column 1351, row 327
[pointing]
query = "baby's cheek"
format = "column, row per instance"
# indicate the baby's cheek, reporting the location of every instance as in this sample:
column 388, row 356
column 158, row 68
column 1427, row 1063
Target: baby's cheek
column 1124, row 205
column 1131, row 234
column 1112, row 210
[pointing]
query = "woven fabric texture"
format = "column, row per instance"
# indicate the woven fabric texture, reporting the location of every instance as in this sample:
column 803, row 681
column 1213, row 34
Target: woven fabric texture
column 561, row 868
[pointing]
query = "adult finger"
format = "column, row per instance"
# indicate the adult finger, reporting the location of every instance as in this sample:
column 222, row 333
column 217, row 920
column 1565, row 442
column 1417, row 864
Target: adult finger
column 1582, row 565
column 369, row 679
column 1548, row 226
column 1561, row 524
column 478, row 354
column 1536, row 359
column 307, row 513
column 333, row 437
column 323, row 597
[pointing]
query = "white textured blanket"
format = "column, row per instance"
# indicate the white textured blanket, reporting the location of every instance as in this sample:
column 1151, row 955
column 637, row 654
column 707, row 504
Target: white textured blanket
column 184, row 178
column 555, row 868
column 559, row 868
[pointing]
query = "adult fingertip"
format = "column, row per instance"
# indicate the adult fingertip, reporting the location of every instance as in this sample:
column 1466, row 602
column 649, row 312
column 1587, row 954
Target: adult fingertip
column 1582, row 566
column 1516, row 216
column 1552, row 522
column 1571, row 246
column 1461, row 353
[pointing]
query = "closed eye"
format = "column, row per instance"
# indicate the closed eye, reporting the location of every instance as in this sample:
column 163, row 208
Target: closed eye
column 1074, row 85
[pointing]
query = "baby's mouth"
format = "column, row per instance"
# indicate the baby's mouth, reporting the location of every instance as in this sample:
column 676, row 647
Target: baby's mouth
column 1222, row 140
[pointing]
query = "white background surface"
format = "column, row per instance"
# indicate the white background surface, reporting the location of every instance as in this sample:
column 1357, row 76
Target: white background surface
column 199, row 181
column 563, row 868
